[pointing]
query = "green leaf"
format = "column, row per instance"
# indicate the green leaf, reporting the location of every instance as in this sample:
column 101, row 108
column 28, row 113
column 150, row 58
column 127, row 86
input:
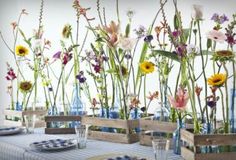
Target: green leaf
column 22, row 33
column 166, row 54
column 120, row 51
column 28, row 41
column 94, row 49
column 112, row 70
column 185, row 35
column 176, row 22
column 209, row 43
column 205, row 52
column 127, row 30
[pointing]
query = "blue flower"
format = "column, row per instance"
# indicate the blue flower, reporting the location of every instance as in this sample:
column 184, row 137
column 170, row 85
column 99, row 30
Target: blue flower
column 148, row 38
column 81, row 77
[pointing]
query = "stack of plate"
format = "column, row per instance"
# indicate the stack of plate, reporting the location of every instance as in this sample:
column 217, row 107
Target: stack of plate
column 10, row 130
column 53, row 144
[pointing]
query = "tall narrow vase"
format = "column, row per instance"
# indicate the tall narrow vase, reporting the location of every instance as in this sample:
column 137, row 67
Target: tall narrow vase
column 76, row 106
column 176, row 137
column 232, row 111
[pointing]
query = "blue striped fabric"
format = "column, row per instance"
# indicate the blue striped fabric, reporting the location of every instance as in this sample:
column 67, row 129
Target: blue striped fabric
column 17, row 148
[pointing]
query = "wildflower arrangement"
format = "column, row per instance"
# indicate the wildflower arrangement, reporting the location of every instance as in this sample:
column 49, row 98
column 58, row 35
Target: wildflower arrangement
column 186, row 53
column 112, row 72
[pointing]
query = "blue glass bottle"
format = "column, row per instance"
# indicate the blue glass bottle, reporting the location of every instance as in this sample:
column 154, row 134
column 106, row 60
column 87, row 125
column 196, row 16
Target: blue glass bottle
column 176, row 137
column 135, row 113
column 208, row 129
column 18, row 106
column 104, row 113
column 232, row 111
column 76, row 106
column 52, row 111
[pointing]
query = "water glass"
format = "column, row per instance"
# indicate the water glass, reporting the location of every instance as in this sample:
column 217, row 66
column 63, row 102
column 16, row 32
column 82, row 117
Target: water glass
column 30, row 122
column 160, row 148
column 81, row 135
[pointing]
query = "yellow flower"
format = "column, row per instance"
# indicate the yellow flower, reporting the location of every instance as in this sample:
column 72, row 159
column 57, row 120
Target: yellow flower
column 25, row 86
column 21, row 51
column 217, row 80
column 147, row 67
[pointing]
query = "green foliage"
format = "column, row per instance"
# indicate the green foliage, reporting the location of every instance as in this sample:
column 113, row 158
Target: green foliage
column 166, row 54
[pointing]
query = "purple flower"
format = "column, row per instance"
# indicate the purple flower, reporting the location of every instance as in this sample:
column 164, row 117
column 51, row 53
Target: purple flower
column 148, row 38
column 211, row 104
column 140, row 31
column 90, row 55
column 97, row 68
column 105, row 58
column 230, row 39
column 66, row 58
column 215, row 17
column 219, row 19
column 81, row 77
column 128, row 56
column 223, row 19
column 176, row 34
column 57, row 55
column 181, row 50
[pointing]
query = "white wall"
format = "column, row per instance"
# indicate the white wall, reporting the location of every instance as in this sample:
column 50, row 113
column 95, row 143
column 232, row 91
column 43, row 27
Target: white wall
column 57, row 13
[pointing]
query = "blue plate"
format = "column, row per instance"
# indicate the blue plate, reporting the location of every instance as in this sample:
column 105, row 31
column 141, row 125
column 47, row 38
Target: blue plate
column 53, row 144
column 10, row 130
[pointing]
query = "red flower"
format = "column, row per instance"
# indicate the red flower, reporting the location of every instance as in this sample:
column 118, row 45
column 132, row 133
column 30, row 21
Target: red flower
column 10, row 74
column 66, row 58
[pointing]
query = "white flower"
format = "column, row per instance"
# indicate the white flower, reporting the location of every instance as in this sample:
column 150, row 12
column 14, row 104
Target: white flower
column 217, row 36
column 37, row 44
column 192, row 49
column 197, row 13
column 127, row 43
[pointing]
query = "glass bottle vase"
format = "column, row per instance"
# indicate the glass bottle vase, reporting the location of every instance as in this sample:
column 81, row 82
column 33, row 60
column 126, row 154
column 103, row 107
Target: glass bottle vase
column 176, row 137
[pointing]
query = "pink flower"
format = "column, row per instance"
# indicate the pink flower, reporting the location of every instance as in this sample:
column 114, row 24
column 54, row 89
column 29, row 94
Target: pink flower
column 217, row 36
column 180, row 101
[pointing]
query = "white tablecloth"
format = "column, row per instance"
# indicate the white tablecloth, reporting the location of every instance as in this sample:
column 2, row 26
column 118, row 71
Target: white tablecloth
column 16, row 147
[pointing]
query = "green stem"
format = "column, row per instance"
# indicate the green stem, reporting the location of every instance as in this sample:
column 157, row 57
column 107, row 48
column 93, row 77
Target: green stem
column 227, row 100
column 144, row 92
column 223, row 105
column 204, row 73
column 117, row 11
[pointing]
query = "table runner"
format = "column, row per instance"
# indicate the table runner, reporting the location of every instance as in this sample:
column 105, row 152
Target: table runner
column 16, row 147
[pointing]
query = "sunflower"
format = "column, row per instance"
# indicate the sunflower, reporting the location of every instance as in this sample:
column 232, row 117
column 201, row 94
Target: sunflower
column 25, row 86
column 21, row 51
column 223, row 55
column 217, row 80
column 147, row 67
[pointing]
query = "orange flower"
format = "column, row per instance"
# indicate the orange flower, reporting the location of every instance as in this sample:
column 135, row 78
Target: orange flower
column 198, row 90
column 134, row 103
column 14, row 25
column 112, row 28
column 153, row 96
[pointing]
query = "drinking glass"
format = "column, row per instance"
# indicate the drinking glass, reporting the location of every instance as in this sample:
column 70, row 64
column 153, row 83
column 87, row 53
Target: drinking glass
column 30, row 123
column 160, row 148
column 81, row 135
